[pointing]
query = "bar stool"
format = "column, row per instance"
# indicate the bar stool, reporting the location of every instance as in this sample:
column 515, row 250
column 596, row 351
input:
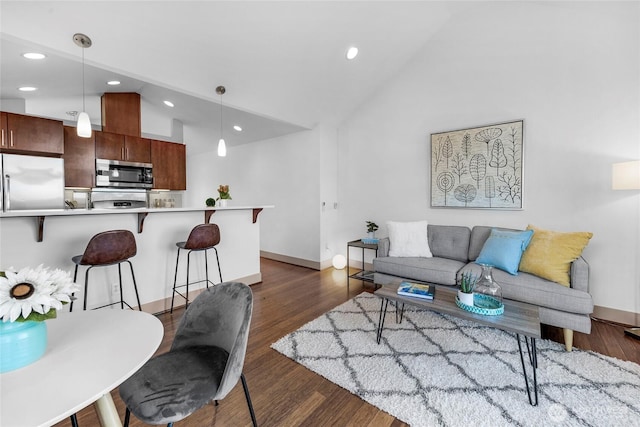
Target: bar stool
column 202, row 238
column 104, row 249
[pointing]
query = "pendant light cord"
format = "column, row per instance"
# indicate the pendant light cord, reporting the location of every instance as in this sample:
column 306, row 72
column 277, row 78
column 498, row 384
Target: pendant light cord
column 83, row 105
column 221, row 117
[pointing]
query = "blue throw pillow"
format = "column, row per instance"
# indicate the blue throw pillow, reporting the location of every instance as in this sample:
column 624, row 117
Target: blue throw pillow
column 503, row 249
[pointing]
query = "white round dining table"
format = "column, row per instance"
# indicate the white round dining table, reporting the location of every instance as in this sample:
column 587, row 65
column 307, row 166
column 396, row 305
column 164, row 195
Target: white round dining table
column 89, row 353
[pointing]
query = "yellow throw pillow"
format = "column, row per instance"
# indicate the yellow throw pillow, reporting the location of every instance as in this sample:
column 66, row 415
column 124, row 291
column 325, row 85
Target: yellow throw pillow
column 550, row 253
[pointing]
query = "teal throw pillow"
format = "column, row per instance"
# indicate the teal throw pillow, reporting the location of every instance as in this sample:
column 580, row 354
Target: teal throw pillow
column 503, row 249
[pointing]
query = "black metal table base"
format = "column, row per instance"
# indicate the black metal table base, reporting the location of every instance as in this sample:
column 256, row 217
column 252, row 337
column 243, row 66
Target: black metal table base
column 533, row 359
column 529, row 342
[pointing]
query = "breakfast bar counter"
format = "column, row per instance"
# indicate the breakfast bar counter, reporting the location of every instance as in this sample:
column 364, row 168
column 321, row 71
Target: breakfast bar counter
column 41, row 214
column 26, row 243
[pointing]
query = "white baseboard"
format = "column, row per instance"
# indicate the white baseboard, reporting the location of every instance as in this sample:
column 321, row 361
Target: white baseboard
column 315, row 265
column 616, row 316
column 163, row 305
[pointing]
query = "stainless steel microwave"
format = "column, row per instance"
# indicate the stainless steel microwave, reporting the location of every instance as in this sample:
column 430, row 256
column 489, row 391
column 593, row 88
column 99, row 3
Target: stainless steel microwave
column 117, row 173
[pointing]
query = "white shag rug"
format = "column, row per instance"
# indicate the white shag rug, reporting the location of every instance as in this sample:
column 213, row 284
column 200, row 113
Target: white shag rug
column 437, row 370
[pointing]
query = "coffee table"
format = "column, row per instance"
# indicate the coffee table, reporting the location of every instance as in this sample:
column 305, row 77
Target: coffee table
column 518, row 317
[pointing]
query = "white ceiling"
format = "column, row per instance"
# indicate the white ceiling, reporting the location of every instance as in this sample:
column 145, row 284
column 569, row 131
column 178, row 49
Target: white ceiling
column 282, row 62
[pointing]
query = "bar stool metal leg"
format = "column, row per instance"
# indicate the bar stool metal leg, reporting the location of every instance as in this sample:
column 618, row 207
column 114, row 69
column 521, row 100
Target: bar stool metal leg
column 186, row 304
column 218, row 262
column 175, row 278
column 120, row 283
column 75, row 276
column 86, row 284
column 135, row 286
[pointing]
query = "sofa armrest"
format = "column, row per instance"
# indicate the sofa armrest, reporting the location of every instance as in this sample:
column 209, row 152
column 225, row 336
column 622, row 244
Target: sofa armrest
column 579, row 275
column 383, row 247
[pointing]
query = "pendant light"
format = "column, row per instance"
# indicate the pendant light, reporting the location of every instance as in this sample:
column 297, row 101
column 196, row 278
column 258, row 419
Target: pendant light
column 222, row 146
column 84, row 124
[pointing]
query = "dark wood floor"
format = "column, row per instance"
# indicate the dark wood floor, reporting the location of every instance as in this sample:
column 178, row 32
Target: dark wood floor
column 286, row 394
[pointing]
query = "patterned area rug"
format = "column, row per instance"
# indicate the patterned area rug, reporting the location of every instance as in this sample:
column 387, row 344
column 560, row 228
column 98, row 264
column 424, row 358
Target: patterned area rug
column 436, row 370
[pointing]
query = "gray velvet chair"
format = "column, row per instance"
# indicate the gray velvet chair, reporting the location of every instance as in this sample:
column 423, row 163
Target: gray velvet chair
column 205, row 361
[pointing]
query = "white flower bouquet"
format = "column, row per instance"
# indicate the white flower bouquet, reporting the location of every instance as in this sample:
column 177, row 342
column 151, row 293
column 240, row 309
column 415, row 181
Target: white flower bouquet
column 34, row 293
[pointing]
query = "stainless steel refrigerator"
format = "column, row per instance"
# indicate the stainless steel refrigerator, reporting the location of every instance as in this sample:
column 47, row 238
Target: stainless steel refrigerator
column 32, row 182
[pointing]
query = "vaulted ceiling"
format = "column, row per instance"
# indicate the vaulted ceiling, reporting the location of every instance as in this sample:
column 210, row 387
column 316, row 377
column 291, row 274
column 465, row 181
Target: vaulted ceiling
column 282, row 62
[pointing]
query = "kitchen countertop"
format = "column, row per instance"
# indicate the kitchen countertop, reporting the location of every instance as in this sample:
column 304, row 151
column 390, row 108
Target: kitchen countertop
column 63, row 212
column 41, row 214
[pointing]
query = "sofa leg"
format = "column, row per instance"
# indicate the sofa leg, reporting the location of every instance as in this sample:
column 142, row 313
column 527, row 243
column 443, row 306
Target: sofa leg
column 568, row 338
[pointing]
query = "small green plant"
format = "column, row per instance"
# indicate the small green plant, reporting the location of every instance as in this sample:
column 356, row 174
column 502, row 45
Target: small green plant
column 468, row 282
column 210, row 201
column 223, row 191
column 371, row 226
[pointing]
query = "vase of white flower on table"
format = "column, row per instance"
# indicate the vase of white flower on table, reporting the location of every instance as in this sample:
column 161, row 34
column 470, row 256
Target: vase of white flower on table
column 28, row 297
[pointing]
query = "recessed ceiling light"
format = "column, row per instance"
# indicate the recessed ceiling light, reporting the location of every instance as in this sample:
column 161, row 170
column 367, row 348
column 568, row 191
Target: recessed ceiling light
column 27, row 88
column 352, row 52
column 168, row 103
column 113, row 82
column 34, row 55
column 238, row 128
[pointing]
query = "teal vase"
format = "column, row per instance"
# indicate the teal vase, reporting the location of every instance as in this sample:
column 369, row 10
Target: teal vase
column 21, row 343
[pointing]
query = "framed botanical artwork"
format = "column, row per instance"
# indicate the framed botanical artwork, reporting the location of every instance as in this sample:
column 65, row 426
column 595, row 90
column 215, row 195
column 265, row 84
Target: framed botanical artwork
column 478, row 168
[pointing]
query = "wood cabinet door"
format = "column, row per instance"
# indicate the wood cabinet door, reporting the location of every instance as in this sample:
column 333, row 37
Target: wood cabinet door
column 4, row 140
column 79, row 159
column 121, row 113
column 169, row 165
column 137, row 149
column 34, row 134
column 109, row 146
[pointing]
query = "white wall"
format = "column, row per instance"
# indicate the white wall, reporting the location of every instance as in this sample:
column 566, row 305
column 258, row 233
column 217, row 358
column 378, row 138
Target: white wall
column 283, row 172
column 571, row 71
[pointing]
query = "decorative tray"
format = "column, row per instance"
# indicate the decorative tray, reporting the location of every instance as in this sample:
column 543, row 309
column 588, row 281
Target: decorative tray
column 368, row 241
column 483, row 304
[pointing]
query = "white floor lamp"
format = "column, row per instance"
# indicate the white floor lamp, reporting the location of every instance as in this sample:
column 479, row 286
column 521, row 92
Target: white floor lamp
column 626, row 176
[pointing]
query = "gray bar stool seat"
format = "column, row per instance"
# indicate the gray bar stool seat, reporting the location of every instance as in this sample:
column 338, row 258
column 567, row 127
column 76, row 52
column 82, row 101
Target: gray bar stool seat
column 202, row 238
column 104, row 249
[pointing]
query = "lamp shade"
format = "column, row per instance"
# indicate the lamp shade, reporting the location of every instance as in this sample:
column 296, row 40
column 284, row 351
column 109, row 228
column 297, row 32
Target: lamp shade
column 626, row 175
column 84, row 125
column 222, row 148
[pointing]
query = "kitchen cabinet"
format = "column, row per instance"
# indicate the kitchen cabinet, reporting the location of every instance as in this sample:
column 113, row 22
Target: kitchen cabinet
column 79, row 159
column 137, row 149
column 5, row 131
column 27, row 134
column 121, row 113
column 169, row 165
column 113, row 146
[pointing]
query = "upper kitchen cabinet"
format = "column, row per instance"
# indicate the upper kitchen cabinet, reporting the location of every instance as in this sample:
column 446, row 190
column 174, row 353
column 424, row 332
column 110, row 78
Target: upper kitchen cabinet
column 79, row 159
column 137, row 149
column 121, row 113
column 113, row 146
column 169, row 165
column 27, row 134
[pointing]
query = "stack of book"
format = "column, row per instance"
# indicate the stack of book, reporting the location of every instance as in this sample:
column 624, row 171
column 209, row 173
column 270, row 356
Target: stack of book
column 418, row 290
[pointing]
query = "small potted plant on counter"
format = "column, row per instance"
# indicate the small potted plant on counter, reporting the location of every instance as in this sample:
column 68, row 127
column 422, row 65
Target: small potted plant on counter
column 467, row 284
column 223, row 191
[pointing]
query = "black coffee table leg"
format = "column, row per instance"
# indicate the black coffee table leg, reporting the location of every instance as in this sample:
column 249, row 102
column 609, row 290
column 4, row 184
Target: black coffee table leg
column 383, row 312
column 533, row 360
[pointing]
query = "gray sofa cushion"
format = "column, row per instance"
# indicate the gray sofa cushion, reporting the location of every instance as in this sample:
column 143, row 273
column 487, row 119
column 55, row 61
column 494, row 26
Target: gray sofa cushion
column 532, row 289
column 449, row 241
column 433, row 270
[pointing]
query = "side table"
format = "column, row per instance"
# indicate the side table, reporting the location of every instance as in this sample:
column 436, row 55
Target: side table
column 362, row 274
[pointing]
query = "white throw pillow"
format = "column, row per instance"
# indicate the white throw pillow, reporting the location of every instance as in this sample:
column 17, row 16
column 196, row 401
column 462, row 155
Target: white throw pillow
column 408, row 239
